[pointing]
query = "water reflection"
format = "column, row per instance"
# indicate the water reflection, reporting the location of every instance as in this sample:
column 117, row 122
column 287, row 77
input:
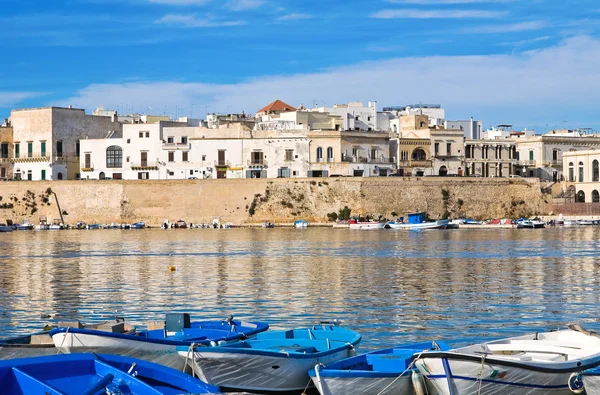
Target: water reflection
column 393, row 286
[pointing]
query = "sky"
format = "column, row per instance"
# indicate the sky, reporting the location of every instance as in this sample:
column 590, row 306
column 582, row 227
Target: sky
column 530, row 63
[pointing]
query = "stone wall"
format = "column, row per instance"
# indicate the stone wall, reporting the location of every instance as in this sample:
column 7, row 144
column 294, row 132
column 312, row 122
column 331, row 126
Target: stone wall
column 279, row 200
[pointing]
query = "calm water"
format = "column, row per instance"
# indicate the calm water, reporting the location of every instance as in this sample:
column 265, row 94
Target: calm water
column 393, row 286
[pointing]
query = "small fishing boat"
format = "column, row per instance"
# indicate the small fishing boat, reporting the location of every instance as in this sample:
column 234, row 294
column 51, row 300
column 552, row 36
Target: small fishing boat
column 125, row 226
column 138, row 225
column 268, row 225
column 180, row 224
column 300, row 223
column 388, row 371
column 539, row 363
column 416, row 221
column 95, row 374
column 56, row 227
column 80, row 225
column 530, row 224
column 155, row 345
column 586, row 222
column 272, row 361
column 94, row 226
column 5, row 228
column 25, row 225
column 366, row 225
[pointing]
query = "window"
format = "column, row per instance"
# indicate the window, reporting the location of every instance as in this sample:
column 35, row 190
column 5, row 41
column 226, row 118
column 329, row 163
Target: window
column 141, row 136
column 448, row 148
column 531, row 155
column 289, row 154
column 102, row 176
column 170, row 140
column 77, row 148
column 171, row 156
column 554, row 155
column 184, row 156
column 256, row 158
column 580, row 171
column 147, row 134
column 184, row 140
column 143, row 176
column 30, row 175
column 595, row 196
column 580, row 197
column 117, row 176
column 43, row 175
column 595, row 172
column 59, row 149
column 114, row 157
column 127, row 159
column 329, row 154
column 373, row 153
column 60, row 176
column 319, row 154
column 355, row 152
column 17, row 150
column 88, row 160
column 221, row 155
column 30, row 149
column 436, row 149
column 192, row 172
column 571, row 172
column 128, row 141
column 203, row 158
column 171, row 173
column 43, row 148
column 4, row 151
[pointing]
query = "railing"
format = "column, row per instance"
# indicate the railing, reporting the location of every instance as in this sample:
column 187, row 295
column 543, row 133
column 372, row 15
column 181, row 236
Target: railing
column 257, row 163
column 87, row 167
column 145, row 165
column 418, row 163
column 32, row 157
column 222, row 163
column 363, row 159
column 176, row 146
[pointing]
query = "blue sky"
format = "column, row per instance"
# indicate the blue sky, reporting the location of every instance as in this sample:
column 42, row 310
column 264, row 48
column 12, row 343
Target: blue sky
column 532, row 63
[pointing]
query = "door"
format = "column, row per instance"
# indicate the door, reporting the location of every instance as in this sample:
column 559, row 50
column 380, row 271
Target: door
column 43, row 175
column 2, row 172
column 221, row 158
column 144, row 159
column 88, row 161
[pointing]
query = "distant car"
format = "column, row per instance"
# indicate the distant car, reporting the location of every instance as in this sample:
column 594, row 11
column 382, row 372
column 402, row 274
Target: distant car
column 192, row 178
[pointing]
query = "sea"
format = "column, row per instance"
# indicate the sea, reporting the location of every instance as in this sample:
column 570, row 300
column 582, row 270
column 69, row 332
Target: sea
column 459, row 286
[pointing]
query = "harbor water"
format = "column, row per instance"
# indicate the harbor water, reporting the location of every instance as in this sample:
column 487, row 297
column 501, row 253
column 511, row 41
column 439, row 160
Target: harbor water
column 393, row 286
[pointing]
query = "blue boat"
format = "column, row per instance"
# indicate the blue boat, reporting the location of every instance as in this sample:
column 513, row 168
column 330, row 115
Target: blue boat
column 155, row 345
column 387, row 371
column 138, row 225
column 300, row 224
column 91, row 374
column 94, row 226
column 272, row 361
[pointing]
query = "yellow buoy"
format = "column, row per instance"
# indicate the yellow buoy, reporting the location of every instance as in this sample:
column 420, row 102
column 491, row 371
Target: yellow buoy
column 173, row 268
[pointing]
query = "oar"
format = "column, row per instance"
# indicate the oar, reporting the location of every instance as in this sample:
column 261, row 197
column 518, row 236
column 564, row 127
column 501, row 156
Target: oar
column 100, row 384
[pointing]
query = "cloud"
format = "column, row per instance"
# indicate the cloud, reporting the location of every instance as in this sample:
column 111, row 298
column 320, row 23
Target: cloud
column 521, row 43
column 180, row 2
column 294, row 17
column 193, row 21
column 241, row 5
column 542, row 86
column 436, row 14
column 438, row 2
column 11, row 99
column 506, row 28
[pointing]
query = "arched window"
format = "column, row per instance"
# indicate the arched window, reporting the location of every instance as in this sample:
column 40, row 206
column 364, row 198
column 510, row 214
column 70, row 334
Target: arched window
column 319, row 154
column 419, row 154
column 571, row 172
column 595, row 196
column 102, row 176
column 595, row 171
column 60, row 176
column 330, row 154
column 114, row 157
column 580, row 171
column 580, row 197
column 443, row 171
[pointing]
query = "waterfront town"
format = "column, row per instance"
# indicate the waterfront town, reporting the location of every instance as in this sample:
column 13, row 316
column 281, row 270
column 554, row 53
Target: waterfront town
column 282, row 141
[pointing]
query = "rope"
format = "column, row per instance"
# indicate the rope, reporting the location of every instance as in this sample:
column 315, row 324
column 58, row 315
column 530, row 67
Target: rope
column 187, row 358
column 480, row 375
column 63, row 340
column 305, row 388
column 406, row 370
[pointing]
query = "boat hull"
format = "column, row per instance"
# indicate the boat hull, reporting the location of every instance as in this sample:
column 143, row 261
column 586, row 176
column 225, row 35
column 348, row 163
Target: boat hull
column 368, row 226
column 441, row 224
column 5, row 229
column 591, row 383
column 256, row 372
column 364, row 385
column 163, row 354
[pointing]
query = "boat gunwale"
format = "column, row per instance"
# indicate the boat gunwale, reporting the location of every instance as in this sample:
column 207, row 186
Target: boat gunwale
column 265, row 353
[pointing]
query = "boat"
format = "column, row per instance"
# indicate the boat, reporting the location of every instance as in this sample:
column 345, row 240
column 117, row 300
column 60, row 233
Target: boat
column 586, row 222
column 94, row 374
column 158, row 343
column 32, row 345
column 56, row 227
column 539, row 363
column 570, row 223
column 180, row 224
column 268, row 225
column 5, row 228
column 26, row 225
column 300, row 223
column 138, row 225
column 530, row 224
column 272, row 361
column 94, row 226
column 366, row 225
column 80, row 225
column 387, row 371
column 588, row 380
column 416, row 221
column 125, row 226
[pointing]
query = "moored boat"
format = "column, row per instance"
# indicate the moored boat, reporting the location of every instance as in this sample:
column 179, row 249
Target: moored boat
column 387, row 371
column 93, row 374
column 272, row 361
column 94, row 226
column 530, row 224
column 154, row 345
column 300, row 223
column 138, row 225
column 268, row 225
column 369, row 225
column 417, row 221
column 5, row 228
column 539, row 363
column 25, row 225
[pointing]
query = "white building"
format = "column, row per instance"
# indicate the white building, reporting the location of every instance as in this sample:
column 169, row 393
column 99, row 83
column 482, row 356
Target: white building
column 435, row 112
column 357, row 117
column 472, row 129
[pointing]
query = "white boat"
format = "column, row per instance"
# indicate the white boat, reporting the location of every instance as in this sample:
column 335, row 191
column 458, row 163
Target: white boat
column 42, row 227
column 534, row 364
column 530, row 224
column 586, row 222
column 570, row 223
column 5, row 228
column 367, row 225
column 300, row 223
column 416, row 221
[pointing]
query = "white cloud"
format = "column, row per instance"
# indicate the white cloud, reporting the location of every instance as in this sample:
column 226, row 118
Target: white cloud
column 521, row 43
column 193, row 21
column 294, row 17
column 180, row 2
column 544, row 85
column 506, row 28
column 240, row 5
column 438, row 2
column 436, row 14
column 11, row 99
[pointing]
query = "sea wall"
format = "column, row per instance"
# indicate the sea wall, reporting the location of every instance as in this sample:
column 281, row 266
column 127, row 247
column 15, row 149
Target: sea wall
column 278, row 200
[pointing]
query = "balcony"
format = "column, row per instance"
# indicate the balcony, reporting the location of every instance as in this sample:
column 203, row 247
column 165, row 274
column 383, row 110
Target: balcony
column 176, row 146
column 257, row 163
column 87, row 167
column 222, row 163
column 144, row 165
column 32, row 157
column 417, row 163
column 363, row 159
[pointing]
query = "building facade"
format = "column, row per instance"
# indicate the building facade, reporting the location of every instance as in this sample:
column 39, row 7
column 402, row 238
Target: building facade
column 6, row 153
column 582, row 170
column 490, row 158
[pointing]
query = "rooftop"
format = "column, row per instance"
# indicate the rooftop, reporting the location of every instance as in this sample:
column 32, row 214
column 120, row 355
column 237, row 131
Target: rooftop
column 277, row 106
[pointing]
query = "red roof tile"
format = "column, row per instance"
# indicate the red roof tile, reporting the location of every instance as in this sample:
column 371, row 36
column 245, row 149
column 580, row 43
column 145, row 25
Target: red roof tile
column 276, row 106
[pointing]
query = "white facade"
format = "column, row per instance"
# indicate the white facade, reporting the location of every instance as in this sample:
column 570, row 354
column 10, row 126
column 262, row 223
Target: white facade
column 472, row 129
column 502, row 132
column 357, row 117
column 435, row 112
